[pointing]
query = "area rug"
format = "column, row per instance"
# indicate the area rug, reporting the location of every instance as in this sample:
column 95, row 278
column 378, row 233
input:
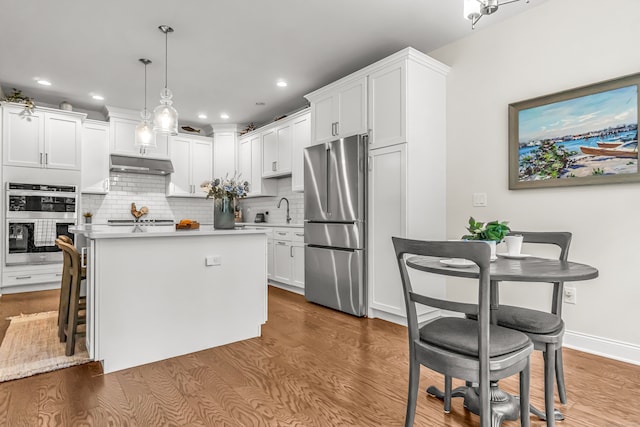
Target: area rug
column 31, row 346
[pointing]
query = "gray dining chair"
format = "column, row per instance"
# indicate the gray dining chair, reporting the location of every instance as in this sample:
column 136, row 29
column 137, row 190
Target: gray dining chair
column 545, row 328
column 475, row 351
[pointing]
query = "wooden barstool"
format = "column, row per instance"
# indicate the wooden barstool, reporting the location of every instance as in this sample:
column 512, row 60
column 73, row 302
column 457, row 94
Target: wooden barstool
column 72, row 307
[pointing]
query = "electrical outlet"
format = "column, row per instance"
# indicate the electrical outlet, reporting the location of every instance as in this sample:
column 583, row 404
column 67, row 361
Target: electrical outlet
column 213, row 260
column 570, row 295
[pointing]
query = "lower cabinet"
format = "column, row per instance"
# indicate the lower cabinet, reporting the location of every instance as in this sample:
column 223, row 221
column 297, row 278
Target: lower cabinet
column 286, row 258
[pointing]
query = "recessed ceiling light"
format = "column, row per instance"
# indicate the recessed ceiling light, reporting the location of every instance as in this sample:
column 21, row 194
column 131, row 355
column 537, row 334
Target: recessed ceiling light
column 224, row 116
column 98, row 97
column 44, row 82
column 281, row 83
column 202, row 116
column 260, row 104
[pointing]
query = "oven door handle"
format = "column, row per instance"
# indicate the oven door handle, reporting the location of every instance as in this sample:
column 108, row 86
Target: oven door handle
column 83, row 257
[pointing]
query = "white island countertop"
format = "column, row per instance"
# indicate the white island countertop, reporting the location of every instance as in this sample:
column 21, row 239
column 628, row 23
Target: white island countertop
column 144, row 231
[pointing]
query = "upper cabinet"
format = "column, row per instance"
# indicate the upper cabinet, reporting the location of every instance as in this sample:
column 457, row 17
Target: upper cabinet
column 339, row 110
column 276, row 150
column 192, row 158
column 301, row 131
column 224, row 150
column 94, row 175
column 250, row 167
column 123, row 135
column 47, row 138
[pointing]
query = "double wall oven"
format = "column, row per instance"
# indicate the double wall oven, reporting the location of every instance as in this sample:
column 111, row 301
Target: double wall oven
column 35, row 215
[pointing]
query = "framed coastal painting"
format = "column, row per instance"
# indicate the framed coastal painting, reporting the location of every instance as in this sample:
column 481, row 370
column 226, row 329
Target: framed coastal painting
column 582, row 136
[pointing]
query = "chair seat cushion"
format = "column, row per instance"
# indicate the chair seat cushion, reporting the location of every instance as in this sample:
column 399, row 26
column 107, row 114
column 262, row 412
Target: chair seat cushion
column 527, row 320
column 461, row 335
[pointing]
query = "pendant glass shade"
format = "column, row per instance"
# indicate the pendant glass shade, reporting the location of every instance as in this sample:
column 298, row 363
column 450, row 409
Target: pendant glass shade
column 165, row 117
column 144, row 132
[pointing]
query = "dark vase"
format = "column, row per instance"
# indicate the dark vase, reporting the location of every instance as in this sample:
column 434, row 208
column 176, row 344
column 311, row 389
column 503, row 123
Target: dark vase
column 223, row 215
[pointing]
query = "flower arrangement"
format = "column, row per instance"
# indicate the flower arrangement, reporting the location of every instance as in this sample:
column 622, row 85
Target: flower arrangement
column 231, row 188
column 18, row 97
column 493, row 230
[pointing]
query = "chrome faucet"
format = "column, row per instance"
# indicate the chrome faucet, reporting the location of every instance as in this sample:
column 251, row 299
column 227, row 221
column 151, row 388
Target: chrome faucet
column 280, row 202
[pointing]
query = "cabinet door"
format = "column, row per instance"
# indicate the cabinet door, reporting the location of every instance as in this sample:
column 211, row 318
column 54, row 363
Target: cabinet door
column 301, row 130
column 94, row 168
column 284, row 149
column 180, row 184
column 352, row 108
column 260, row 187
column 62, row 141
column 324, row 116
column 269, row 153
column 270, row 259
column 201, row 165
column 282, row 261
column 244, row 162
column 387, row 218
column 387, row 106
column 23, row 137
column 297, row 265
column 224, row 154
column 123, row 139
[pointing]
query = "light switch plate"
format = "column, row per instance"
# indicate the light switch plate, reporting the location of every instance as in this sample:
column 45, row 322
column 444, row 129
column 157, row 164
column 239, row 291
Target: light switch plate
column 479, row 199
column 213, row 260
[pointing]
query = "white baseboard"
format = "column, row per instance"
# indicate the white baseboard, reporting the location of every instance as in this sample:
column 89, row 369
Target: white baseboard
column 286, row 287
column 612, row 349
column 401, row 320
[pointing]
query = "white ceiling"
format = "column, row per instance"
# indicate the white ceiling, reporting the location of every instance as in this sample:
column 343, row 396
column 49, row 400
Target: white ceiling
column 224, row 56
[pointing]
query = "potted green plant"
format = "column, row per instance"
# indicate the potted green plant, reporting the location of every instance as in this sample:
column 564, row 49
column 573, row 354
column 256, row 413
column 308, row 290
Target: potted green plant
column 492, row 232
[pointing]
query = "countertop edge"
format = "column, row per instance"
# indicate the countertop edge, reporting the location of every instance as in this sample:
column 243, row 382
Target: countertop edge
column 121, row 234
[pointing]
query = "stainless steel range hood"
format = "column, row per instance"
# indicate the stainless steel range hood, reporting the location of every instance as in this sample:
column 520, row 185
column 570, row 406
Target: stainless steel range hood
column 146, row 165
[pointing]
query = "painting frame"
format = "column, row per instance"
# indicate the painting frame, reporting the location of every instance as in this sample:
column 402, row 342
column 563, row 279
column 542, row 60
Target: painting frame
column 576, row 95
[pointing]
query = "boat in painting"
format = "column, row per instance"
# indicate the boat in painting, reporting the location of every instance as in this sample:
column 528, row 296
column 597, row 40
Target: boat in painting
column 627, row 150
column 608, row 144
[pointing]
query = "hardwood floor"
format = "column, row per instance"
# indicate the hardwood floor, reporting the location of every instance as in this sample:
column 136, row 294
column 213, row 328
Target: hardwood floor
column 311, row 367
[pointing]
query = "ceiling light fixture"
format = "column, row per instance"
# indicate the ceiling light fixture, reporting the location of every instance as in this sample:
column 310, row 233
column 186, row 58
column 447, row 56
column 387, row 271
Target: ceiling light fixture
column 224, row 116
column 98, row 97
column 44, row 82
column 145, row 138
column 476, row 9
column 281, row 83
column 202, row 116
column 165, row 117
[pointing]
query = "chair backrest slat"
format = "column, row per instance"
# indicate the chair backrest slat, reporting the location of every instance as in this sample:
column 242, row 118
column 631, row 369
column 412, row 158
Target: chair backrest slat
column 459, row 307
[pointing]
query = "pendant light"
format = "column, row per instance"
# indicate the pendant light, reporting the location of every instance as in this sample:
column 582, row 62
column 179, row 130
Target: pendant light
column 165, row 117
column 145, row 138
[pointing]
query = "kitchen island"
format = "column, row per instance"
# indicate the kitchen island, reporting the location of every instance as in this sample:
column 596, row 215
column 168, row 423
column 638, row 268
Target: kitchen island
column 155, row 293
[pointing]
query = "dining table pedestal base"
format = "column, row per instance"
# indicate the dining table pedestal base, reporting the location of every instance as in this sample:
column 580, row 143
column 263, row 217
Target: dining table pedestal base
column 503, row 405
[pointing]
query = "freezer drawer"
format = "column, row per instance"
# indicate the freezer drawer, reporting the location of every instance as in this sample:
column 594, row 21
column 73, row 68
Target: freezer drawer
column 335, row 278
column 347, row 236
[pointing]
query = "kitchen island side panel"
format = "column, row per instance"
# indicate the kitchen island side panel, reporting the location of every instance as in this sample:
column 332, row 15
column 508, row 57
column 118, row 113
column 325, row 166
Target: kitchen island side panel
column 156, row 298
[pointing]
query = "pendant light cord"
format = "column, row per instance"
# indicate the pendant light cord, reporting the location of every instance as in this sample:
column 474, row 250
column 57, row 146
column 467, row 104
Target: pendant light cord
column 166, row 57
column 145, row 87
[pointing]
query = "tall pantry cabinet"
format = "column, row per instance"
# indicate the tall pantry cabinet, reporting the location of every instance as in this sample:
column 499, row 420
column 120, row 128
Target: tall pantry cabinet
column 404, row 108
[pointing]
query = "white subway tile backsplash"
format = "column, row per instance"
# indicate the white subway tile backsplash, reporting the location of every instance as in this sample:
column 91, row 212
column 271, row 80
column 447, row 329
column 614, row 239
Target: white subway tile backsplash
column 149, row 191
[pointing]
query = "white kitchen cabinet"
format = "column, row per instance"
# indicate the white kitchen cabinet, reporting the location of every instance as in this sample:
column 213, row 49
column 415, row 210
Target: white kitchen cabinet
column 224, row 150
column 387, row 218
column 297, row 261
column 250, row 167
column 276, row 150
column 123, row 135
column 407, row 159
column 339, row 110
column 47, row 138
column 286, row 258
column 192, row 160
column 94, row 172
column 301, row 130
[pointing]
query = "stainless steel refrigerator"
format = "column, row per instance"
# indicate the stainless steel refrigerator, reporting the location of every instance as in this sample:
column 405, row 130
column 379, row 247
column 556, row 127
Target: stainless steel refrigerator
column 335, row 204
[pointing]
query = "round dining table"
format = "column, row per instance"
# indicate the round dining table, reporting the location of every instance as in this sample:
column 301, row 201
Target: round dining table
column 514, row 269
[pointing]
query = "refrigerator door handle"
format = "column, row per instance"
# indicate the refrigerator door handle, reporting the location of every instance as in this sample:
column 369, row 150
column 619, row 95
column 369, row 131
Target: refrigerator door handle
column 327, row 177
